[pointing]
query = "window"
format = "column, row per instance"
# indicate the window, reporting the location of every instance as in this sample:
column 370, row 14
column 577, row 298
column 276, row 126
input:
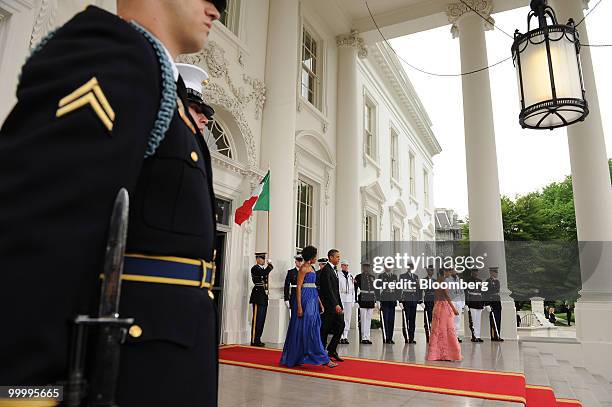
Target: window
column 394, row 155
column 230, row 16
column 304, row 215
column 368, row 233
column 412, row 170
column 217, row 139
column 426, row 188
column 311, row 68
column 369, row 124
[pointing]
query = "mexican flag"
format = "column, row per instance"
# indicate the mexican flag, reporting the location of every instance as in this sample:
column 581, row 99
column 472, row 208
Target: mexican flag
column 259, row 201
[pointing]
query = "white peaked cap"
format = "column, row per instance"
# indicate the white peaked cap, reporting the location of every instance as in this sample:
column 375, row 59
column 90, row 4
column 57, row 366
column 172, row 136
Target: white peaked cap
column 193, row 76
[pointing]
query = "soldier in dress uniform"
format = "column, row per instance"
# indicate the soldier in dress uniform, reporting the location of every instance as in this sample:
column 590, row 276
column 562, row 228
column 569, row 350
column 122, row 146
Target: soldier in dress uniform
column 291, row 282
column 388, row 301
column 475, row 302
column 411, row 296
column 429, row 301
column 494, row 303
column 322, row 262
column 346, row 283
column 366, row 300
column 101, row 106
column 195, row 79
column 259, row 296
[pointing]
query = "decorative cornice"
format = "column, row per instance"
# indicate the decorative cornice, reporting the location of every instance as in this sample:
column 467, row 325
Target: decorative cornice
column 410, row 102
column 353, row 40
column 254, row 174
column 455, row 11
column 45, row 21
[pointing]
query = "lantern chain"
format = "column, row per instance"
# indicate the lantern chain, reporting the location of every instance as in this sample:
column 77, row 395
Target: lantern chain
column 469, row 72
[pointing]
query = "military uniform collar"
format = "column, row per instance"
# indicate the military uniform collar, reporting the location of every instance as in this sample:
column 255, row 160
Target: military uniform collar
column 175, row 71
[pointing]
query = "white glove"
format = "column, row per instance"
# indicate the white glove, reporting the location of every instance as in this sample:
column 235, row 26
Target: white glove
column 466, row 307
column 357, row 305
column 401, row 305
column 287, row 304
column 488, row 308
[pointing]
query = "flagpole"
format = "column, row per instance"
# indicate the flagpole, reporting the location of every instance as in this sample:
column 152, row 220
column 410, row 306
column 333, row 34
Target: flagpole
column 269, row 255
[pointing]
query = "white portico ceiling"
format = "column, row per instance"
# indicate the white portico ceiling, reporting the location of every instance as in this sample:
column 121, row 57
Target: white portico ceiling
column 395, row 17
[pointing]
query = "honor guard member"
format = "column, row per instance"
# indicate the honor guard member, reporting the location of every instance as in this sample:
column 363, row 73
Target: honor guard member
column 195, row 79
column 366, row 300
column 457, row 296
column 101, row 106
column 411, row 296
column 388, row 301
column 494, row 303
column 259, row 296
column 347, row 296
column 322, row 262
column 475, row 302
column 428, row 301
column 291, row 282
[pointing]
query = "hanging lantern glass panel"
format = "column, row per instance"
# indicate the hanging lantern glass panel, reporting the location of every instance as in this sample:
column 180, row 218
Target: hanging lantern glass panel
column 549, row 76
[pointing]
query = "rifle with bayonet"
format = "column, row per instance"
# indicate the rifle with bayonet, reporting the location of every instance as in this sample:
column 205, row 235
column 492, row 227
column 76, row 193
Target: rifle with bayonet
column 111, row 330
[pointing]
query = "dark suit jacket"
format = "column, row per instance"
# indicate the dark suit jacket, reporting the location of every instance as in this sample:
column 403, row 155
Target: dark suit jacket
column 329, row 290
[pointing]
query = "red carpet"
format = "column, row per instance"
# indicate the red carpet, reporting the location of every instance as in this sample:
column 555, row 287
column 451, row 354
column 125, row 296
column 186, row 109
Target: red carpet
column 490, row 385
column 544, row 396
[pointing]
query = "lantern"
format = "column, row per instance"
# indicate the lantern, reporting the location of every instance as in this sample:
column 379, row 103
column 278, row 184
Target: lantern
column 549, row 74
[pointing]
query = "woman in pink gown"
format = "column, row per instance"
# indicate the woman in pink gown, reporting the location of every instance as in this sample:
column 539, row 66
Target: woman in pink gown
column 443, row 343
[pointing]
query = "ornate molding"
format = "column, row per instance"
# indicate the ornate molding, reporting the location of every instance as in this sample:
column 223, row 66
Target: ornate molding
column 214, row 58
column 353, row 40
column 221, row 161
column 326, row 187
column 455, row 11
column 215, row 94
column 45, row 21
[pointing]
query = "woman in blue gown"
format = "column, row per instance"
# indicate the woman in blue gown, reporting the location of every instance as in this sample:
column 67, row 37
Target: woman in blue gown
column 303, row 342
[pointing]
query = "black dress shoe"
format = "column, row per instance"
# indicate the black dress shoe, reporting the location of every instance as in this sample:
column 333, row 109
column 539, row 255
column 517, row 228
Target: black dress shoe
column 474, row 340
column 364, row 341
column 459, row 339
column 336, row 357
column 346, row 342
column 391, row 341
column 479, row 340
column 258, row 344
column 369, row 342
column 413, row 341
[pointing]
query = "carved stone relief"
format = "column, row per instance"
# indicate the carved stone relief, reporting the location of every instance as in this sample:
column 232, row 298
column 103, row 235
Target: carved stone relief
column 455, row 11
column 45, row 21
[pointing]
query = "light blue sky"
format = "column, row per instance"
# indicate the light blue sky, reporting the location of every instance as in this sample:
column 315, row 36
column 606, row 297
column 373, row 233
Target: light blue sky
column 527, row 159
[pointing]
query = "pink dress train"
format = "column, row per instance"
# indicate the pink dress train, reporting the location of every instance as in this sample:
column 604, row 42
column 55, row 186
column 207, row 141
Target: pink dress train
column 443, row 343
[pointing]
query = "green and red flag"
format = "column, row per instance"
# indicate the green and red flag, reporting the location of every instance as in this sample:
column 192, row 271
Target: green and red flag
column 259, row 201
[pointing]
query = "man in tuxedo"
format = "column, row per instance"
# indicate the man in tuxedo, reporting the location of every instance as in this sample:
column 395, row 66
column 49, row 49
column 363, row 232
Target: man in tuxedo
column 329, row 291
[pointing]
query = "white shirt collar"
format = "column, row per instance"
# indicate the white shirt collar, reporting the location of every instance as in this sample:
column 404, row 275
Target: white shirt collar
column 175, row 71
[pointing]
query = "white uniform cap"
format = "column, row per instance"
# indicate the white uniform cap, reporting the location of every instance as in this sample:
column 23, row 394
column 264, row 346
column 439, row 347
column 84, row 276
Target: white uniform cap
column 195, row 78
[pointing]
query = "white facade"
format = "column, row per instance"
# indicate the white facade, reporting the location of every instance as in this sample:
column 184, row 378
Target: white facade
column 256, row 90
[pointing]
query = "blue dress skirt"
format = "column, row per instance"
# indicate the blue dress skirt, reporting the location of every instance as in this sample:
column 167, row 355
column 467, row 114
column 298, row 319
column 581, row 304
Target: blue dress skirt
column 303, row 342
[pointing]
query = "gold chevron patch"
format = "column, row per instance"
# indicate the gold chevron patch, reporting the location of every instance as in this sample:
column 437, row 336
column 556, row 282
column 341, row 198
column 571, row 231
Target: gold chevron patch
column 89, row 94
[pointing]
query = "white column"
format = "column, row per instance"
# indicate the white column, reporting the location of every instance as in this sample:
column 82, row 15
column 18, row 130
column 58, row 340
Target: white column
column 349, row 138
column 593, row 203
column 278, row 151
column 484, row 204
